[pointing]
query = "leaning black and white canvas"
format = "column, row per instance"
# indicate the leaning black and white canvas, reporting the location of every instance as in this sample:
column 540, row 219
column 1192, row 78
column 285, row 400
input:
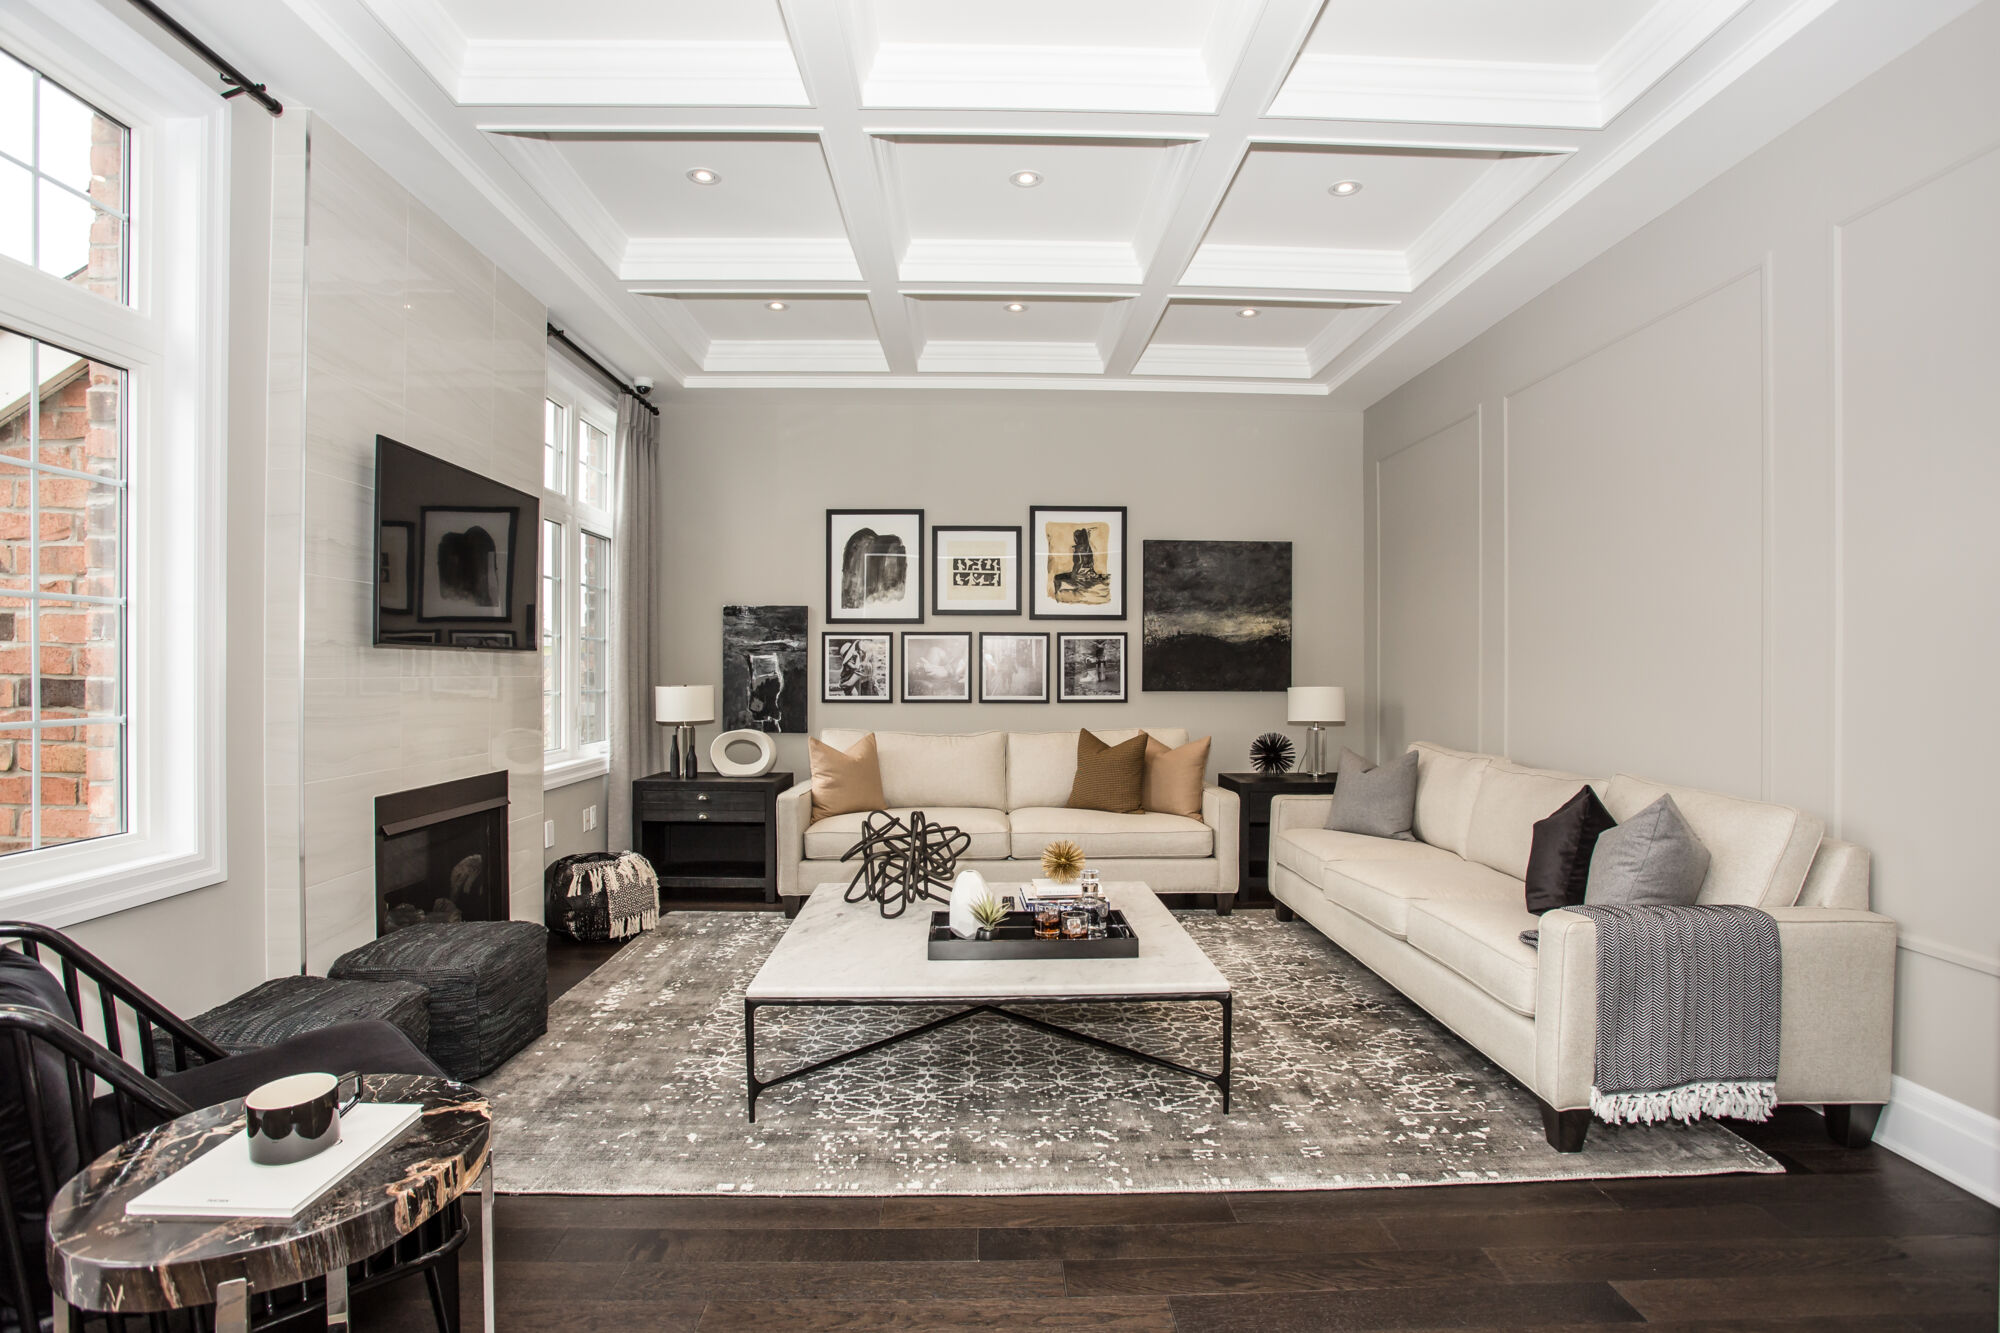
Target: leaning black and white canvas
column 937, row 668
column 764, row 668
column 855, row 668
column 468, row 564
column 1218, row 615
column 1091, row 668
column 1013, row 668
column 875, row 566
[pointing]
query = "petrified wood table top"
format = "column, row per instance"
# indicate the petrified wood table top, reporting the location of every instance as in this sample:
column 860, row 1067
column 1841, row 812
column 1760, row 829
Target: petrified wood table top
column 100, row 1259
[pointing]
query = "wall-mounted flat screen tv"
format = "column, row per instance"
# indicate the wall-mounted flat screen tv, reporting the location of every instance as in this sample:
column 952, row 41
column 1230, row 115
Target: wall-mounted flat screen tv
column 457, row 555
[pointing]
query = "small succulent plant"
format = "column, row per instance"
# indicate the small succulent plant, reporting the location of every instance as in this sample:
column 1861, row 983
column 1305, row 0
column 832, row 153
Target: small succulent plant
column 990, row 912
column 1062, row 861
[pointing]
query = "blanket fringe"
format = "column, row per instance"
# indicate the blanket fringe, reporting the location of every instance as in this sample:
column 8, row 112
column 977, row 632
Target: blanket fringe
column 1747, row 1100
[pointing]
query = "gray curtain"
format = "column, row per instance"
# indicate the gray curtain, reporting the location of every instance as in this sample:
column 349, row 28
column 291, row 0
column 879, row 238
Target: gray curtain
column 636, row 748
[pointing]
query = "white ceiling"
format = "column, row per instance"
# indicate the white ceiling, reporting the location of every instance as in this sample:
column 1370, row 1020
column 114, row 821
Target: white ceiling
column 864, row 148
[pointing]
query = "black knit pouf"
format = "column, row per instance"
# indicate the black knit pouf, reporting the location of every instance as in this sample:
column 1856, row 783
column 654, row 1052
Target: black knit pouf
column 286, row 1007
column 601, row 895
column 488, row 984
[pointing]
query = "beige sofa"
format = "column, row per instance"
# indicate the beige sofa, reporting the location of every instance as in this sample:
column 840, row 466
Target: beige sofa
column 1440, row 919
column 1009, row 790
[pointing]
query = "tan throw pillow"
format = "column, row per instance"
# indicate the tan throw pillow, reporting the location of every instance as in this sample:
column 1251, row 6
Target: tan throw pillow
column 1174, row 778
column 1108, row 777
column 845, row 781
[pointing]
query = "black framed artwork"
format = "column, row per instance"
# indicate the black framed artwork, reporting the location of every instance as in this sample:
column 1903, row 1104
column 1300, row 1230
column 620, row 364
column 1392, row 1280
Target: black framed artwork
column 875, row 566
column 1076, row 563
column 975, row 571
column 1014, row 668
column 937, row 667
column 1090, row 668
column 482, row 638
column 467, row 569
column 856, row 667
column 392, row 568
column 1217, row 615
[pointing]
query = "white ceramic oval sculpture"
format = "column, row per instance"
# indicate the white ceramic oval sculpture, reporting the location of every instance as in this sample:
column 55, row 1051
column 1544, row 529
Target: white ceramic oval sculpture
column 967, row 892
column 767, row 754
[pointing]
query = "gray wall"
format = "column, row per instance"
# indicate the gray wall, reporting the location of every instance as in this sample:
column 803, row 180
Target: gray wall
column 749, row 476
column 564, row 806
column 1718, row 510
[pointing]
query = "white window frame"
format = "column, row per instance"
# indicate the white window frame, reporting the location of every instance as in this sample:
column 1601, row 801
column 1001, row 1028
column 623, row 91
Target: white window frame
column 172, row 341
column 580, row 398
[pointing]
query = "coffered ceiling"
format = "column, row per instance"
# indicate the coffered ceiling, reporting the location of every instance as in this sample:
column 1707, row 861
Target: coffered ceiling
column 1242, row 195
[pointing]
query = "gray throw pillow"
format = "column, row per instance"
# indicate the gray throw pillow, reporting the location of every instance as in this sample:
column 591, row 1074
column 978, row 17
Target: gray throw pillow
column 1381, row 802
column 1652, row 859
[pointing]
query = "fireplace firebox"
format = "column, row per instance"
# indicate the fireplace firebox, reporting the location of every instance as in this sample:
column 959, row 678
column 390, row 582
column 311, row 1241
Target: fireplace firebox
column 441, row 853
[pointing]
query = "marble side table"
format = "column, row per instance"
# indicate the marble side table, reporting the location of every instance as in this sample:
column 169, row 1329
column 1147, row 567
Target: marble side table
column 102, row 1260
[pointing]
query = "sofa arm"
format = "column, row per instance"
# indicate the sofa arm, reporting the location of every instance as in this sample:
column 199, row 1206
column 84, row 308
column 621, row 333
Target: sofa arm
column 1838, row 1006
column 1221, row 810
column 794, row 818
column 1299, row 812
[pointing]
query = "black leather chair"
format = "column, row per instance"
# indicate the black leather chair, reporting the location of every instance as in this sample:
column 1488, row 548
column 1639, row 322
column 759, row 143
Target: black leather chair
column 66, row 1098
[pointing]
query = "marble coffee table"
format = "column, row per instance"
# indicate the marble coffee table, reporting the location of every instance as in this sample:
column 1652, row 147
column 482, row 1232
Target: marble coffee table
column 836, row 953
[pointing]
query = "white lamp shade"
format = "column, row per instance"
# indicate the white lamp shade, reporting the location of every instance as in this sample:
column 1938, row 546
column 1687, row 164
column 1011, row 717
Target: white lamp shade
column 1316, row 703
column 684, row 703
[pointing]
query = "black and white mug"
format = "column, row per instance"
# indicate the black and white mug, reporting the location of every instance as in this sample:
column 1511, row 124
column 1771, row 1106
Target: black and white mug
column 298, row 1117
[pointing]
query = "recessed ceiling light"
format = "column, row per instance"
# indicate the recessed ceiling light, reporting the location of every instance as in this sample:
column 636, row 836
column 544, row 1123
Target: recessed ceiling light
column 1015, row 307
column 774, row 305
column 1247, row 312
column 1344, row 188
column 703, row 176
column 1027, row 180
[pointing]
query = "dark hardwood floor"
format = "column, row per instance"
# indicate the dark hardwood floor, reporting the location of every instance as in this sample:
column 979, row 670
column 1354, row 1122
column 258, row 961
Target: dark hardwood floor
column 1842, row 1241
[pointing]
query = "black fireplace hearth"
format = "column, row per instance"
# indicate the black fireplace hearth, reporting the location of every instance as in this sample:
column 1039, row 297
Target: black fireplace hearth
column 441, row 854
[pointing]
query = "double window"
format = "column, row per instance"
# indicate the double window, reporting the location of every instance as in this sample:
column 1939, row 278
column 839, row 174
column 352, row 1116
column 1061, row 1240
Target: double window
column 577, row 425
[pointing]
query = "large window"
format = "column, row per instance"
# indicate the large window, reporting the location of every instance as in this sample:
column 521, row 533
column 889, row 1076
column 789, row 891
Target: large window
column 577, row 422
column 63, row 172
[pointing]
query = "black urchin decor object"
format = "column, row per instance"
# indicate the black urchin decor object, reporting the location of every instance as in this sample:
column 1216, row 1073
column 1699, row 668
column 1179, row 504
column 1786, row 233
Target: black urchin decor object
column 903, row 863
column 1272, row 752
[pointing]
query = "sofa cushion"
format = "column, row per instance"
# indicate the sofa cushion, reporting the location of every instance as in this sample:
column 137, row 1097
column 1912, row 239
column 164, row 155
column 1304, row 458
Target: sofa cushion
column 1382, row 891
column 845, row 778
column 1447, row 782
column 923, row 769
column 1758, row 852
column 1380, row 801
column 1175, row 776
column 1652, row 859
column 1041, row 765
column 1109, row 777
column 1510, row 800
column 1481, row 942
column 829, row 839
column 1103, row 833
column 1306, row 851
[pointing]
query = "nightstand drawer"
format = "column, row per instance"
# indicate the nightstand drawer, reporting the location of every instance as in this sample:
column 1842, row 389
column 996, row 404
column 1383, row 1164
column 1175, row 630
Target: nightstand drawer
column 695, row 804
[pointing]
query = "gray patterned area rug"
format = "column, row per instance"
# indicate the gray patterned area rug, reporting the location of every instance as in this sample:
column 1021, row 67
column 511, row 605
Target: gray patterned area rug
column 1340, row 1083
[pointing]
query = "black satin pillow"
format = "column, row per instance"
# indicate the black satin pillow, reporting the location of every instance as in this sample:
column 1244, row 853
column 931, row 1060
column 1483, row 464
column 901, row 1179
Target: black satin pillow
column 1559, row 858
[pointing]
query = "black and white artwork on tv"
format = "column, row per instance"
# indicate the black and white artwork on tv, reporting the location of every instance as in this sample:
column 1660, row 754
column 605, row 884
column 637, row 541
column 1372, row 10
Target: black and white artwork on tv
column 937, row 668
column 392, row 567
column 1218, row 615
column 1091, row 668
column 855, row 668
column 1013, row 668
column 875, row 566
column 764, row 668
column 468, row 563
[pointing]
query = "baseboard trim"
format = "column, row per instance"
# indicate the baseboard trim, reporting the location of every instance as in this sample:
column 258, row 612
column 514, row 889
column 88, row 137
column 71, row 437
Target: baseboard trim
column 1944, row 1137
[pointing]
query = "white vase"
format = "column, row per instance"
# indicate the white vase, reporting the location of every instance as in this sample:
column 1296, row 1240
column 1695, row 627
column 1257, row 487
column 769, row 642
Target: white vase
column 967, row 892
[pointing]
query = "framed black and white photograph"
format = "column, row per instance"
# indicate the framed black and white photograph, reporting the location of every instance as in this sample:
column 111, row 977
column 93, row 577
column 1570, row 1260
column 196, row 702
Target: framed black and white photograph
column 1090, row 668
column 468, row 563
column 1076, row 563
column 1013, row 668
column 937, row 668
column 424, row 638
column 975, row 571
column 875, row 566
column 764, row 669
column 1218, row 615
column 392, row 567
column 856, row 668
column 482, row 638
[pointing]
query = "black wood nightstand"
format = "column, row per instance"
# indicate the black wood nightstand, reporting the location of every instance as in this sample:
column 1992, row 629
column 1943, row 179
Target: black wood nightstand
column 712, row 840
column 1253, row 831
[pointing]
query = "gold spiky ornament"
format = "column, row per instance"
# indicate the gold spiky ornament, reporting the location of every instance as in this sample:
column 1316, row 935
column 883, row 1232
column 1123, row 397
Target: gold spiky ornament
column 1062, row 861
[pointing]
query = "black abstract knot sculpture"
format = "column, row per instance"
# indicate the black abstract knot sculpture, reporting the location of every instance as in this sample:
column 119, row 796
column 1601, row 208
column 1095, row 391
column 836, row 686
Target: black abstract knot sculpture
column 904, row 863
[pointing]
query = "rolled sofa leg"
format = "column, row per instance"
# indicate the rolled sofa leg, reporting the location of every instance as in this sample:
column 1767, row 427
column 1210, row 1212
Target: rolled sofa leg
column 1853, row 1126
column 1283, row 913
column 1565, row 1130
column 1225, row 903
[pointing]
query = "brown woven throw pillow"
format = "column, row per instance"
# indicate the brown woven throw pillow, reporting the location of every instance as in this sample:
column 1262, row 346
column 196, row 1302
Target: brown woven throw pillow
column 845, row 781
column 1108, row 777
column 1174, row 778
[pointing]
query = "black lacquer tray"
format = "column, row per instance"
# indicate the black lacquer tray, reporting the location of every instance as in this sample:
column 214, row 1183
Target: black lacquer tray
column 1016, row 939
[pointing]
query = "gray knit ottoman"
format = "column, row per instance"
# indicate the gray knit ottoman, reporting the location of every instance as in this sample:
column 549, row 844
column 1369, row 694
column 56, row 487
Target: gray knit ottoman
column 286, row 1007
column 488, row 984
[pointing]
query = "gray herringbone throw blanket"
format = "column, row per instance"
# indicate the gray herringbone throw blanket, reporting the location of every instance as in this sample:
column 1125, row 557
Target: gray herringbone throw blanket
column 1687, row 1012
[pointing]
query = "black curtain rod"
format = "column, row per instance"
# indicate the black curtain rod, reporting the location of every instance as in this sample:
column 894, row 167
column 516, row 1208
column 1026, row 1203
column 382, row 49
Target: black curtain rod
column 239, row 82
column 638, row 395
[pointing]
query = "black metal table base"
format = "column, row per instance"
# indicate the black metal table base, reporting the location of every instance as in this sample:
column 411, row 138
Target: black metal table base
column 757, row 1085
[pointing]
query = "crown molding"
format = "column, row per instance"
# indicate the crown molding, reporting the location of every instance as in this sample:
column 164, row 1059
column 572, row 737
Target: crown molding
column 1192, row 359
column 1038, row 78
column 544, row 167
column 1299, row 266
column 738, row 259
column 1340, row 333
column 1658, row 42
column 1296, row 388
column 1020, row 261
column 425, row 30
column 627, row 73
column 854, row 355
column 1498, row 189
column 1011, row 358
column 1470, row 92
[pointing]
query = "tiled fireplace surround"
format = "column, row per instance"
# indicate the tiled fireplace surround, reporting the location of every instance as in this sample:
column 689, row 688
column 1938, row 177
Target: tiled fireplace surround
column 383, row 320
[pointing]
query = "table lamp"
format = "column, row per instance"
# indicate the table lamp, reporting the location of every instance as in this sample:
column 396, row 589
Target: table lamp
column 681, row 707
column 1317, row 705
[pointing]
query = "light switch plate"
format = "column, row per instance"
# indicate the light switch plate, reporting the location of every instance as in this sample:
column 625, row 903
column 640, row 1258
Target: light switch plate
column 589, row 818
column 548, row 833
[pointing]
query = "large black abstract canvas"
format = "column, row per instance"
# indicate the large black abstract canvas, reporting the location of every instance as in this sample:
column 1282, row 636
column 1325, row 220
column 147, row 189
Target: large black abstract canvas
column 764, row 668
column 1218, row 615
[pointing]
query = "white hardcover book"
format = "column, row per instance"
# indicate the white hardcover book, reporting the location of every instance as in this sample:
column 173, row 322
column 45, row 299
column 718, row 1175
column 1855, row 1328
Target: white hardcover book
column 224, row 1182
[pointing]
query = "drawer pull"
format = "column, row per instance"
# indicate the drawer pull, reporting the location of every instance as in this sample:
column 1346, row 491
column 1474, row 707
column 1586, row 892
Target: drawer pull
column 702, row 815
column 701, row 796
